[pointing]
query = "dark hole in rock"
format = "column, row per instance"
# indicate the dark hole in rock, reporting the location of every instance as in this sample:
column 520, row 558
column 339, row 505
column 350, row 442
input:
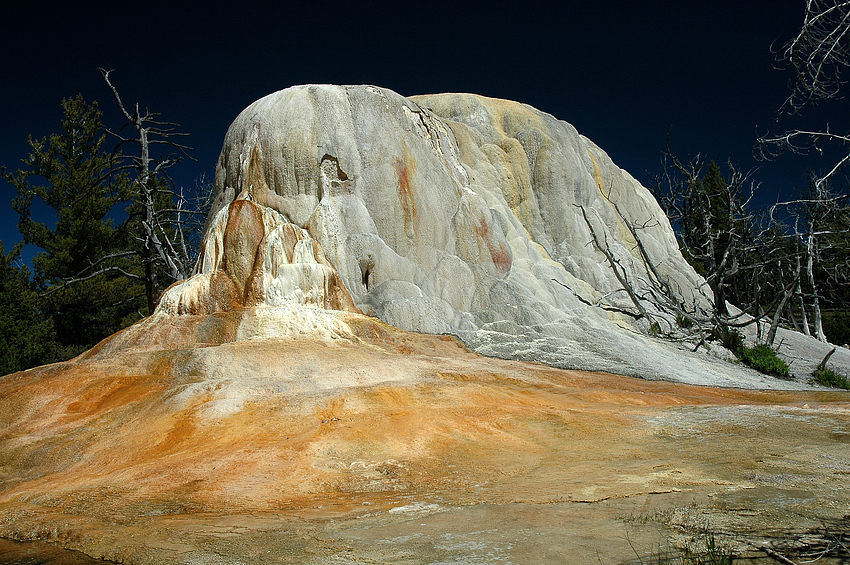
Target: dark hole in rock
column 366, row 267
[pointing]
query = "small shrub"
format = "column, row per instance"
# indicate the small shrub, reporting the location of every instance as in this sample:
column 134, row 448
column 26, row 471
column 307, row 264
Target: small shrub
column 730, row 338
column 828, row 377
column 684, row 322
column 763, row 359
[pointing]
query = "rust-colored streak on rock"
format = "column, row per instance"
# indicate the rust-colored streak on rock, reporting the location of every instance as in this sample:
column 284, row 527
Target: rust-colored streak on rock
column 338, row 297
column 100, row 398
column 242, row 238
column 403, row 168
column 174, row 439
column 254, row 292
column 378, row 333
column 499, row 252
column 224, row 294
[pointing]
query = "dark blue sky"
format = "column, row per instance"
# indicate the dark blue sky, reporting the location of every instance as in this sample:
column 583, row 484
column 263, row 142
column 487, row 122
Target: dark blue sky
column 624, row 73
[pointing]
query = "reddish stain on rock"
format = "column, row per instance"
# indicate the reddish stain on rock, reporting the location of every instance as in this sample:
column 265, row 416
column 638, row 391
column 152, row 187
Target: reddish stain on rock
column 499, row 252
column 338, row 297
column 223, row 295
column 254, row 293
column 402, row 173
column 242, row 238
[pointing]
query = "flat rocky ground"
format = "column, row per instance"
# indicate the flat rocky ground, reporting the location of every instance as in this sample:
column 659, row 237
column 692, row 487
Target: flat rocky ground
column 406, row 449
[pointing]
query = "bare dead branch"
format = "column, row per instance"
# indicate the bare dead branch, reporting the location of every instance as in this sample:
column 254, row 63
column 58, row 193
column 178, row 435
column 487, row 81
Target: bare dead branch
column 616, row 267
column 818, row 53
column 73, row 280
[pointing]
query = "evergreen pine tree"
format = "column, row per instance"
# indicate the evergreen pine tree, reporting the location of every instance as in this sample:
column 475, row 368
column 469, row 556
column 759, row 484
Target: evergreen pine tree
column 27, row 338
column 88, row 274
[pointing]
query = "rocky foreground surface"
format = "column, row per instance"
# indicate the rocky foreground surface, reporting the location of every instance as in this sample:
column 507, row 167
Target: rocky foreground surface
column 279, row 408
column 382, row 446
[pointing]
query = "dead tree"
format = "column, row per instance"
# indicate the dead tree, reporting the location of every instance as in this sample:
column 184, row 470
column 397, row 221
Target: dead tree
column 711, row 216
column 162, row 208
column 818, row 55
column 600, row 241
column 819, row 218
column 780, row 304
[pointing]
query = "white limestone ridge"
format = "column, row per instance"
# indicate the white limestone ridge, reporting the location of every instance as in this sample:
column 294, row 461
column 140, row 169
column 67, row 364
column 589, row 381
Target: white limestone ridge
column 449, row 213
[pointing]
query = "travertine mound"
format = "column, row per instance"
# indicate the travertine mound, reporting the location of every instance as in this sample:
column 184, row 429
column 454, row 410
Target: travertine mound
column 451, row 213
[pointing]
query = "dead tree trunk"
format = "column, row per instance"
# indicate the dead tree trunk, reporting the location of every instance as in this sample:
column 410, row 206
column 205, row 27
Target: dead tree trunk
column 787, row 293
column 156, row 246
column 810, row 253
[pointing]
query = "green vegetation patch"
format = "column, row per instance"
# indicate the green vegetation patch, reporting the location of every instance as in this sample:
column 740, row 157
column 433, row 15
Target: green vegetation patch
column 763, row 359
column 828, row 377
column 732, row 339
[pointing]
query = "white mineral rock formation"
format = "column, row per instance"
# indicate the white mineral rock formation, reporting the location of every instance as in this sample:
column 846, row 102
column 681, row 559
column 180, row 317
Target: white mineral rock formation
column 448, row 213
